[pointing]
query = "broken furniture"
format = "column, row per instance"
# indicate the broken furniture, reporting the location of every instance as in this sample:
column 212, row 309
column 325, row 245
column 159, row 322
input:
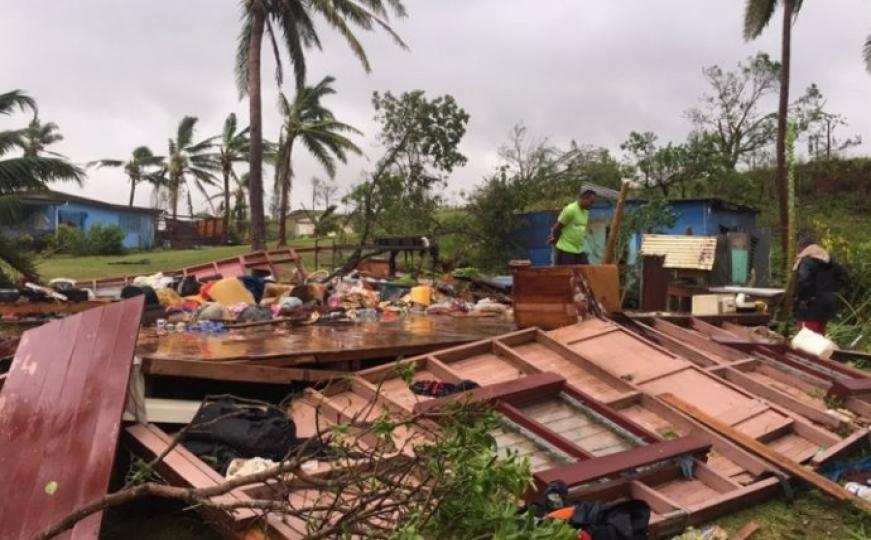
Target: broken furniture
column 544, row 296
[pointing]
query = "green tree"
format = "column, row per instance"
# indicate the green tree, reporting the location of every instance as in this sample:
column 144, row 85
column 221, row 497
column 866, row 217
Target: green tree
column 420, row 137
column 234, row 145
column 139, row 166
column 732, row 113
column 295, row 21
column 757, row 15
column 686, row 167
column 188, row 162
column 308, row 121
column 19, row 174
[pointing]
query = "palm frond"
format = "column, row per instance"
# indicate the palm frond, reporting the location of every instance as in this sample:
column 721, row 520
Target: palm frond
column 185, row 132
column 13, row 260
column 243, row 43
column 105, row 163
column 30, row 173
column 757, row 15
column 867, row 53
column 10, row 209
column 229, row 132
column 279, row 71
column 9, row 101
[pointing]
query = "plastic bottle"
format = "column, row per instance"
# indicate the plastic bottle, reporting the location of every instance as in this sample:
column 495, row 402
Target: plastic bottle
column 857, row 489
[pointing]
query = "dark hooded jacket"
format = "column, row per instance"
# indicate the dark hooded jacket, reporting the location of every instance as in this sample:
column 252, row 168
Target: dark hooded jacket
column 818, row 278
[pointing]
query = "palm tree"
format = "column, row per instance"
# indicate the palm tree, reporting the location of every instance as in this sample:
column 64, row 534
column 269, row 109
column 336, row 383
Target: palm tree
column 233, row 149
column 757, row 15
column 37, row 136
column 136, row 167
column 23, row 173
column 295, row 20
column 188, row 161
column 307, row 120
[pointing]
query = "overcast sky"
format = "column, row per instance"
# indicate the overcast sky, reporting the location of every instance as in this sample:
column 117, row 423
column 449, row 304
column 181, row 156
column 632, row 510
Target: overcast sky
column 115, row 74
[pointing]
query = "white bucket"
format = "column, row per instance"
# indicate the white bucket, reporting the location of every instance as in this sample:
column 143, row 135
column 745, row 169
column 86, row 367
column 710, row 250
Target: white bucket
column 812, row 343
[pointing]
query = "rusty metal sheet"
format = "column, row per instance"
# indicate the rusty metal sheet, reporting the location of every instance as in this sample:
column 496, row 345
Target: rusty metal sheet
column 326, row 342
column 60, row 414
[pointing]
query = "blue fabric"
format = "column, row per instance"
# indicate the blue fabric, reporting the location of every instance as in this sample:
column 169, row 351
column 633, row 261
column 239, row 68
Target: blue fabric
column 255, row 286
column 836, row 471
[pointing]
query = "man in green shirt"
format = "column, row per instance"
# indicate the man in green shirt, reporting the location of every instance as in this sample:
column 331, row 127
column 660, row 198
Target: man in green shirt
column 569, row 233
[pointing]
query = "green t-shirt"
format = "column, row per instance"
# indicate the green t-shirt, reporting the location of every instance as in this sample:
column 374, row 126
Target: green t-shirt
column 574, row 220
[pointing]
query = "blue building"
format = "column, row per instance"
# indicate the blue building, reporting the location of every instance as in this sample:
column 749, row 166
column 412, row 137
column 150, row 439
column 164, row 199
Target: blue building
column 700, row 217
column 43, row 211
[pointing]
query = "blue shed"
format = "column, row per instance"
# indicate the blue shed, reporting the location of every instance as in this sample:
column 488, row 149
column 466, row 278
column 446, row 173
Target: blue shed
column 701, row 217
column 43, row 211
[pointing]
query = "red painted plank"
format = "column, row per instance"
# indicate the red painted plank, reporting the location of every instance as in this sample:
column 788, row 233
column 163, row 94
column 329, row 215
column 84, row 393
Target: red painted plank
column 60, row 415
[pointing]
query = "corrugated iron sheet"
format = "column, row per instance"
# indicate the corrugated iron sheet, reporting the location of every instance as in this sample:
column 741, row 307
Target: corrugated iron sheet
column 687, row 252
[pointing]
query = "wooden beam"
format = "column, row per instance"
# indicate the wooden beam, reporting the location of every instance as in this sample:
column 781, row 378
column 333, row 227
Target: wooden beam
column 223, row 371
column 814, row 479
column 614, row 233
column 574, row 474
column 746, row 531
column 518, row 389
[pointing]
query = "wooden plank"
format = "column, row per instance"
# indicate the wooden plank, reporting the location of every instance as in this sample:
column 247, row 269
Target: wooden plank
column 60, row 414
column 746, row 531
column 575, row 474
column 842, row 448
column 816, row 480
column 531, row 385
column 198, row 369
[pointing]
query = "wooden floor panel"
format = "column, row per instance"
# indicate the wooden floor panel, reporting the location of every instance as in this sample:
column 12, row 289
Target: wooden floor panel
column 396, row 389
column 688, row 493
column 508, row 439
column 547, row 360
column 790, row 390
column 702, row 390
column 576, row 426
column 628, row 358
column 651, row 421
column 794, row 447
column 486, row 369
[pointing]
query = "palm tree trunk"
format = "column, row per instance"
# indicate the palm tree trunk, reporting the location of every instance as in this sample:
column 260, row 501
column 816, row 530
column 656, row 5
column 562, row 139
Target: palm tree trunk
column 226, row 236
column 284, row 180
column 132, row 190
column 173, row 199
column 255, row 185
column 782, row 115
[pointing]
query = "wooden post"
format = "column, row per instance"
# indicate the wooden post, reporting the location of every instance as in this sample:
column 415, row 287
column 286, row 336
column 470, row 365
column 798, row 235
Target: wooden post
column 794, row 469
column 611, row 245
column 317, row 266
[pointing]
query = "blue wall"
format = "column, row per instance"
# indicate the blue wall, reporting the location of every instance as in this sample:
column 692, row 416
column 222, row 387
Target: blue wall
column 704, row 217
column 138, row 226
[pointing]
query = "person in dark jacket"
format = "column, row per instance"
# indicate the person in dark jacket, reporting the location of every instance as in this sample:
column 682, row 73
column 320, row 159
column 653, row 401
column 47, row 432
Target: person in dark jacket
column 818, row 278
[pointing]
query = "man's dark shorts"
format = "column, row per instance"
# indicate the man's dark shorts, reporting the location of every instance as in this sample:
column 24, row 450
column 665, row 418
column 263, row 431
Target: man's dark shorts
column 564, row 258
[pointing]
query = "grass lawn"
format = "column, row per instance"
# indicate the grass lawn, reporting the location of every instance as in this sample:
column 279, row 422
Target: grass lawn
column 149, row 262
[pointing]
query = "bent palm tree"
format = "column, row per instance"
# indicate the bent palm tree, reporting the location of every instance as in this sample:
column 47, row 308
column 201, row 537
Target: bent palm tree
column 757, row 15
column 23, row 173
column 307, row 120
column 233, row 149
column 188, row 161
column 295, row 20
column 136, row 167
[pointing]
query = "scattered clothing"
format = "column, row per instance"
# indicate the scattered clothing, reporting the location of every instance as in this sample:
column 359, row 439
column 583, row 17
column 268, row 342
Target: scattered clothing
column 628, row 520
column 213, row 311
column 245, row 467
column 441, row 389
column 168, row 297
column 255, row 286
column 228, row 291
column 189, row 286
column 255, row 313
column 150, row 296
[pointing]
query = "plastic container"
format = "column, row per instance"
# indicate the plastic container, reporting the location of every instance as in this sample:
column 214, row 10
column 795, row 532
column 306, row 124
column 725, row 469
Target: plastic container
column 421, row 295
column 812, row 343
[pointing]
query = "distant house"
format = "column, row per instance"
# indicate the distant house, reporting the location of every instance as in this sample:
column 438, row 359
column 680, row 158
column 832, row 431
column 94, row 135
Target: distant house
column 300, row 224
column 43, row 211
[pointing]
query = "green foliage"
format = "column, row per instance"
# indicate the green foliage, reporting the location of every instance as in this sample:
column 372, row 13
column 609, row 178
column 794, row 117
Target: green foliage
column 420, row 138
column 651, row 217
column 14, row 262
column 480, row 492
column 98, row 240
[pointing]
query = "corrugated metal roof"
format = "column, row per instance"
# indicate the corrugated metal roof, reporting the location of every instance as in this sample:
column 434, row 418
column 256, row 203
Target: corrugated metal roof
column 690, row 252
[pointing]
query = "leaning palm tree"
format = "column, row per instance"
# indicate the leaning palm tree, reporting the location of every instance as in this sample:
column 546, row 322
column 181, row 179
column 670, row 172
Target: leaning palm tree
column 141, row 163
column 233, row 149
column 307, row 120
column 295, row 21
column 188, row 161
column 757, row 15
column 23, row 173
